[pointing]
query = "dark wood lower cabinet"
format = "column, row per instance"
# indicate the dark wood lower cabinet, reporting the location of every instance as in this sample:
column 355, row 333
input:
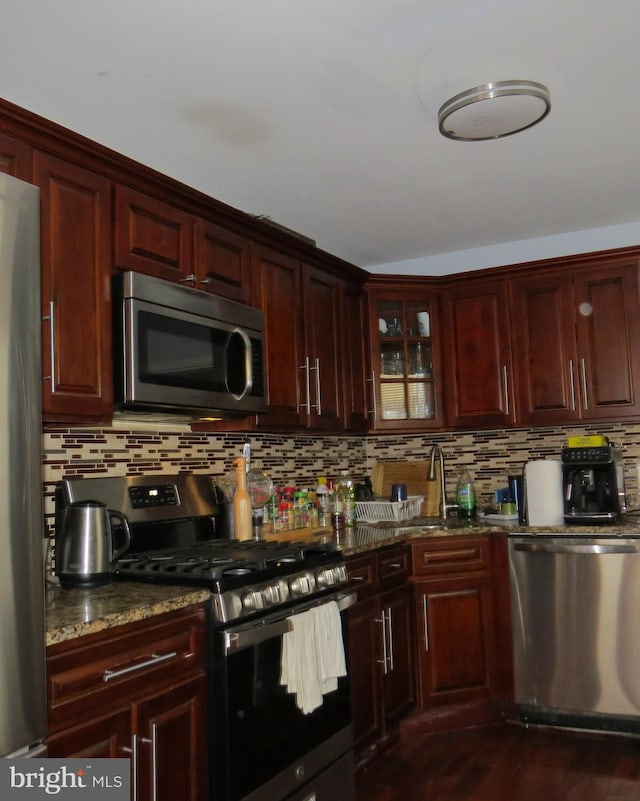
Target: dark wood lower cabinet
column 105, row 737
column 136, row 691
column 381, row 649
column 463, row 631
column 455, row 620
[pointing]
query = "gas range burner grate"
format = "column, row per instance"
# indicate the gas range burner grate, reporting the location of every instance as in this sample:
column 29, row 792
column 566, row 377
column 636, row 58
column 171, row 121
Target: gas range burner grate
column 222, row 565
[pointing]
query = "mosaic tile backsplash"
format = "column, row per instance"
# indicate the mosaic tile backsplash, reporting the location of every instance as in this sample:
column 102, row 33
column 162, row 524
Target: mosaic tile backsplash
column 300, row 459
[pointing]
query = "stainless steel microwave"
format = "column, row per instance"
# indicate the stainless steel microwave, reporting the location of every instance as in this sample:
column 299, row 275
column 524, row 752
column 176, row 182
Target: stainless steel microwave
column 179, row 350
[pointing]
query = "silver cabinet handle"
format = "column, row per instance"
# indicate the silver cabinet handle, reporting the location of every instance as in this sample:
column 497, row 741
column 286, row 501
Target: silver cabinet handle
column 384, row 660
column 505, row 376
column 153, row 742
column 156, row 659
column 52, row 347
column 188, row 279
column 374, row 411
column 206, row 281
column 390, row 633
column 584, row 384
column 318, row 405
column 134, row 766
column 425, row 622
column 307, row 384
column 573, row 389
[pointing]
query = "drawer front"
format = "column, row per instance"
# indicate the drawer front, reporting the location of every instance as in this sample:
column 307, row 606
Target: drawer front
column 450, row 555
column 363, row 575
column 94, row 671
column 393, row 566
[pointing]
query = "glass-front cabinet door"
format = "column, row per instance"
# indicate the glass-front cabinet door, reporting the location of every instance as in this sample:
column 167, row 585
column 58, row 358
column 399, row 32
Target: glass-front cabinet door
column 405, row 361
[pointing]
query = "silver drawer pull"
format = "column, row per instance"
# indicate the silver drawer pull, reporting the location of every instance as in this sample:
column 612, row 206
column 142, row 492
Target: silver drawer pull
column 357, row 578
column 156, row 659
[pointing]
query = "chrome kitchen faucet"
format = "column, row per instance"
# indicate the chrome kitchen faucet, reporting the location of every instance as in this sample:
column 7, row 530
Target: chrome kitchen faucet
column 445, row 506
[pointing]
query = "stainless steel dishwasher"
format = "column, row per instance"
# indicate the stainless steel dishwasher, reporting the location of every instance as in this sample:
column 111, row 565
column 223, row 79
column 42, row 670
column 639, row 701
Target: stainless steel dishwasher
column 576, row 629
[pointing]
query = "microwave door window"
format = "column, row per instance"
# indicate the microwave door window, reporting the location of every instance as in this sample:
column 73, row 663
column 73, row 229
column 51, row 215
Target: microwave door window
column 181, row 353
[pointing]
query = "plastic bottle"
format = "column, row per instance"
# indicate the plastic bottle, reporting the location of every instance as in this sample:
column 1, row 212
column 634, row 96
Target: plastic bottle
column 466, row 496
column 242, row 510
column 346, row 498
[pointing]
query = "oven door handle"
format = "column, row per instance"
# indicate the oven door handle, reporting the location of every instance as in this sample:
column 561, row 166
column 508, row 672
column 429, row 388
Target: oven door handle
column 248, row 636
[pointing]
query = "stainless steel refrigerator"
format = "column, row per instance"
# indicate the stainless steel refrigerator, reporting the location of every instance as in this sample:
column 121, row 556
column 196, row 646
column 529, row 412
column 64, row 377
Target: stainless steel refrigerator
column 22, row 641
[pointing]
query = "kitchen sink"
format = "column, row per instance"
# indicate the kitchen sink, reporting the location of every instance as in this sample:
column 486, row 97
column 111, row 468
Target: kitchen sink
column 421, row 523
column 435, row 522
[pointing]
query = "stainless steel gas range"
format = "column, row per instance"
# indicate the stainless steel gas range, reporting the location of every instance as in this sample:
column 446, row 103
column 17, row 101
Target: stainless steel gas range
column 262, row 745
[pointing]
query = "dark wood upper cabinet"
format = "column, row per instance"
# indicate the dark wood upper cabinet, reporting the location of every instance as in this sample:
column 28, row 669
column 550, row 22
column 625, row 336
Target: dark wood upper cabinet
column 546, row 351
column 478, row 365
column 279, row 290
column 577, row 343
column 607, row 315
column 151, row 236
column 301, row 307
column 15, row 158
column 356, row 366
column 223, row 261
column 406, row 369
column 76, row 290
column 322, row 373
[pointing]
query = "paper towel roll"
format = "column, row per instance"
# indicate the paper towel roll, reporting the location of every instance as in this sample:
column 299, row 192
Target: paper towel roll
column 545, row 506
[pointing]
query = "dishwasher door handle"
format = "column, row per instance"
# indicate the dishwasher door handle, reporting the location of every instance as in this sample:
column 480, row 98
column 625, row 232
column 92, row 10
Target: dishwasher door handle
column 585, row 548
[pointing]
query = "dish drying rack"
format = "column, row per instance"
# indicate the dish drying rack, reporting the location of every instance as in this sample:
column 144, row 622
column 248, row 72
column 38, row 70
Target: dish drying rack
column 378, row 511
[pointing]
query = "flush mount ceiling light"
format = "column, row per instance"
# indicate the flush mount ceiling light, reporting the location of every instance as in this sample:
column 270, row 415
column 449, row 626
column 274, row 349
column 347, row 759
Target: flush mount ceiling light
column 494, row 110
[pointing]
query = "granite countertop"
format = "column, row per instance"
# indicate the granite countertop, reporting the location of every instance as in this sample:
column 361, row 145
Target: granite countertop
column 77, row 612
column 80, row 611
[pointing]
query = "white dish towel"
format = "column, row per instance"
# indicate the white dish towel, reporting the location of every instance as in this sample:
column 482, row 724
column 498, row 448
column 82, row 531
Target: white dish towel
column 313, row 656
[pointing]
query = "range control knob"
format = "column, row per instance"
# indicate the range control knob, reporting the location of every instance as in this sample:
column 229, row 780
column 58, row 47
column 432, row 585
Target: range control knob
column 271, row 594
column 326, row 577
column 300, row 585
column 253, row 600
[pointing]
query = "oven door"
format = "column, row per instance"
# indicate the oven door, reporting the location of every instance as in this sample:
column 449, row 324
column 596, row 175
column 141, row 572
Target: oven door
column 262, row 746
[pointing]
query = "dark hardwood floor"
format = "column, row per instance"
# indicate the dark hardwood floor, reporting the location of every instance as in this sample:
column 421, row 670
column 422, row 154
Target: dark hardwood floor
column 505, row 762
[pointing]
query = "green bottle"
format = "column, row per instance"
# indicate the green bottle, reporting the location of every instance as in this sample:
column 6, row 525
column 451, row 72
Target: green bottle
column 466, row 497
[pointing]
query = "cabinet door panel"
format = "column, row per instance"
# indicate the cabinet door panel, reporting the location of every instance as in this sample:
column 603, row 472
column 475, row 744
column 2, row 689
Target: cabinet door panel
column 456, row 644
column 280, row 293
column 479, row 371
column 172, row 738
column 76, row 281
column 356, row 364
column 546, row 357
column 106, row 738
column 399, row 682
column 364, row 670
column 608, row 329
column 322, row 336
column 152, row 237
column 406, row 368
column 222, row 262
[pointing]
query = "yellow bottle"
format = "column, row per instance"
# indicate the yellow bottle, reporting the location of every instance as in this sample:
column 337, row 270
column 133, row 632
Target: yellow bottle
column 242, row 511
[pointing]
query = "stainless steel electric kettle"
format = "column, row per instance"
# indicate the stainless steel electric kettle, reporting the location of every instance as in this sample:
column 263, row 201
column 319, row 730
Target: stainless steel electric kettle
column 85, row 552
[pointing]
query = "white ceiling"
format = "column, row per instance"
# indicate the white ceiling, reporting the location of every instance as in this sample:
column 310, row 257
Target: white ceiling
column 322, row 114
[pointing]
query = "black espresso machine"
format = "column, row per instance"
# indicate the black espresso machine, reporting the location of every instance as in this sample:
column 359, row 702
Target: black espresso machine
column 593, row 484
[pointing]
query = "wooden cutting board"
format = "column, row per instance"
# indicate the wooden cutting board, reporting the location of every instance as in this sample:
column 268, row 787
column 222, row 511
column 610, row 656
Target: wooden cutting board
column 414, row 475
